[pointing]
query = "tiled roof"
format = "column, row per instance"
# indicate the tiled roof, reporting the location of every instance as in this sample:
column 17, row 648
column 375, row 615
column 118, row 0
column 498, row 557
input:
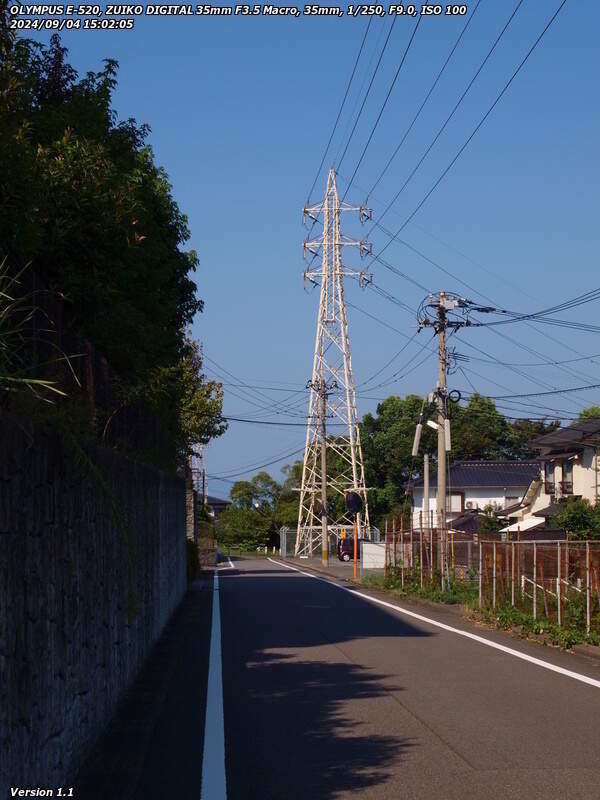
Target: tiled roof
column 216, row 501
column 490, row 474
column 585, row 432
column 468, row 523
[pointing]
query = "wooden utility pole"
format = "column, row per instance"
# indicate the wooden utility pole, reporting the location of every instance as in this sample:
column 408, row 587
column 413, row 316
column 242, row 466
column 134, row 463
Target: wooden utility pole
column 441, row 417
column 324, row 535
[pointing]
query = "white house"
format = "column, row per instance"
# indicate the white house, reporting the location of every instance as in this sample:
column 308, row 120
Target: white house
column 474, row 485
column 570, row 466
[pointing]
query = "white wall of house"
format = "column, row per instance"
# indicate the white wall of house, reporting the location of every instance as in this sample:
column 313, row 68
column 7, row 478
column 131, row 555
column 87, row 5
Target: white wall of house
column 479, row 497
column 586, row 482
column 586, row 475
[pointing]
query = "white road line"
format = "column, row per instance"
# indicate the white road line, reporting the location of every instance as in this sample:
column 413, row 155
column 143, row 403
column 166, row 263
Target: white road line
column 251, row 576
column 481, row 639
column 230, row 562
column 214, row 781
column 287, row 566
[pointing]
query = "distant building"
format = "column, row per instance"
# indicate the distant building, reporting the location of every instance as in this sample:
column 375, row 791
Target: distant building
column 216, row 505
column 570, row 466
column 473, row 485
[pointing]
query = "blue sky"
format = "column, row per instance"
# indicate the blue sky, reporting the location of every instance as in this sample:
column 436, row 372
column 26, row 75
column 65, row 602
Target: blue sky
column 241, row 110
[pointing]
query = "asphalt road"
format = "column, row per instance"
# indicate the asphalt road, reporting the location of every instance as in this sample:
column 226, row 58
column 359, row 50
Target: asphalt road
column 321, row 694
column 327, row 695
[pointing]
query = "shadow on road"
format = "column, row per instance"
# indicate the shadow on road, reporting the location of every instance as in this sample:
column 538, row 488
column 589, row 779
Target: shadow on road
column 152, row 747
column 302, row 720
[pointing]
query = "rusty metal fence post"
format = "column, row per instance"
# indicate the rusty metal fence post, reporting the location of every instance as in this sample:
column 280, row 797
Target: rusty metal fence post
column 587, row 587
column 402, row 548
column 480, row 578
column 494, row 578
column 558, row 586
column 421, row 554
column 512, row 573
column 534, row 581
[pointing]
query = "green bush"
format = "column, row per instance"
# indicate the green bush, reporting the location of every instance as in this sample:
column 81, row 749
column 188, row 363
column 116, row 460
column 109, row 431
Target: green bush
column 193, row 562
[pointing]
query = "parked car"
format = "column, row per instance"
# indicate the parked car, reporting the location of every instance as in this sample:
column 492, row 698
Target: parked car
column 345, row 548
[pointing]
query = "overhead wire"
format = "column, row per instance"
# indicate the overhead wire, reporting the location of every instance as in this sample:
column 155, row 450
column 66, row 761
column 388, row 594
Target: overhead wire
column 339, row 114
column 359, row 94
column 451, row 114
column 476, row 128
column 385, row 102
column 255, row 395
column 339, row 164
column 252, row 468
column 423, row 104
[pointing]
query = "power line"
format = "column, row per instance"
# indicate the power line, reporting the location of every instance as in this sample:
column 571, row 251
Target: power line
column 368, row 90
column 256, row 467
column 476, row 129
column 427, row 96
column 553, row 391
column 454, row 110
column 362, row 44
column 390, row 361
column 256, row 397
column 269, row 422
column 385, row 102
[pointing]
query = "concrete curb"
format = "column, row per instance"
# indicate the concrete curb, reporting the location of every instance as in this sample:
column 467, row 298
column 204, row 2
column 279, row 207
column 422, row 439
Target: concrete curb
column 590, row 650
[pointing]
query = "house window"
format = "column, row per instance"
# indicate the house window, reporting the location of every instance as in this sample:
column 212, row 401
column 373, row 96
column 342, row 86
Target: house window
column 567, row 477
column 549, row 477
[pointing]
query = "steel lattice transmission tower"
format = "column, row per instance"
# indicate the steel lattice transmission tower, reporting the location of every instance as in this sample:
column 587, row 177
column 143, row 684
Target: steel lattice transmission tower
column 332, row 393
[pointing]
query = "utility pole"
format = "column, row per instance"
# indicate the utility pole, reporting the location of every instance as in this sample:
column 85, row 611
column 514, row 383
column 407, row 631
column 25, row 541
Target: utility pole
column 332, row 363
column 435, row 314
column 323, row 389
column 324, row 542
column 441, row 420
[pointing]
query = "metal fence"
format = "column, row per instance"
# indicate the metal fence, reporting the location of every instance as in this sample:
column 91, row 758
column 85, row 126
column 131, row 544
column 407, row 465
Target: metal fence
column 554, row 580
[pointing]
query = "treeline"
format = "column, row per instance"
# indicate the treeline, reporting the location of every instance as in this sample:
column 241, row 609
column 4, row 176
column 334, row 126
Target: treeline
column 85, row 208
column 479, row 431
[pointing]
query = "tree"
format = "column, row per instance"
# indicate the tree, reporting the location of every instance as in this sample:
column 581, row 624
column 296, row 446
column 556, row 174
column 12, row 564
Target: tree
column 592, row 412
column 479, row 431
column 580, row 519
column 251, row 521
column 82, row 201
column 488, row 521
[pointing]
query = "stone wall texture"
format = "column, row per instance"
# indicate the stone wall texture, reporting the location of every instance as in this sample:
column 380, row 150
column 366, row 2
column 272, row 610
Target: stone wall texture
column 69, row 646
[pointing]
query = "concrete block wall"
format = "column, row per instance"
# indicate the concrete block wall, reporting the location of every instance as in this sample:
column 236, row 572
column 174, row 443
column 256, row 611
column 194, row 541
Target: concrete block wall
column 68, row 647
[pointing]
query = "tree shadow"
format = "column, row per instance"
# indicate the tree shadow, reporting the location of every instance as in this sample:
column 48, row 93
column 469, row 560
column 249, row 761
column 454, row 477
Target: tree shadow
column 302, row 720
column 298, row 737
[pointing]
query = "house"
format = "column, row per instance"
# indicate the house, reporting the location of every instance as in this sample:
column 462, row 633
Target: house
column 216, row 505
column 570, row 466
column 473, row 485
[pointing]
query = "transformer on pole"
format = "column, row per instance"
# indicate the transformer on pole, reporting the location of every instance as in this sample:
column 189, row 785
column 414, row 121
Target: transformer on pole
column 332, row 392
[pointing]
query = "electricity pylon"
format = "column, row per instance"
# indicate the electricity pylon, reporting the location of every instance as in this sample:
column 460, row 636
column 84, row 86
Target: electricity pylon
column 198, row 470
column 332, row 393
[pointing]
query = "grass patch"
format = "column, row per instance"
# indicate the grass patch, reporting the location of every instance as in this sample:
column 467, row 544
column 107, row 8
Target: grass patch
column 504, row 616
column 454, row 593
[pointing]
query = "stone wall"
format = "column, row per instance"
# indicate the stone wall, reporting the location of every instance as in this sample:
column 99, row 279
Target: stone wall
column 69, row 643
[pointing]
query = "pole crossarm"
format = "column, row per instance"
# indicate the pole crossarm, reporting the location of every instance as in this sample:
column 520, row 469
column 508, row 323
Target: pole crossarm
column 333, row 465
